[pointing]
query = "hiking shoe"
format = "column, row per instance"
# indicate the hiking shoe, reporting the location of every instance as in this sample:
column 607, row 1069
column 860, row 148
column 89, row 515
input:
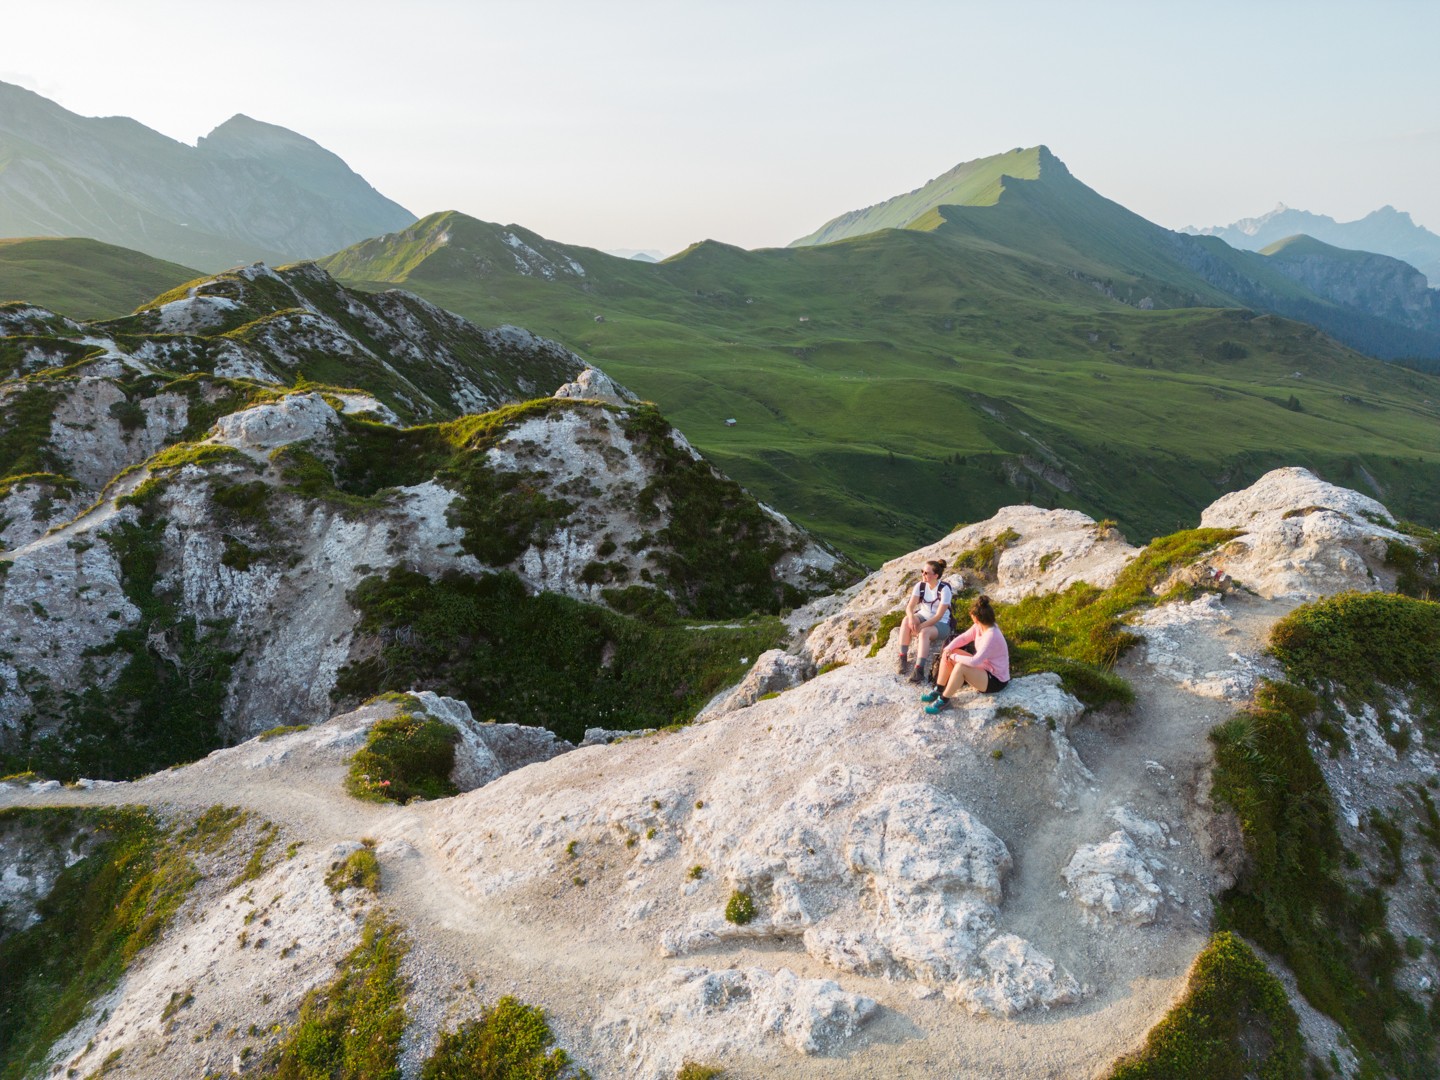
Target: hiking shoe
column 903, row 667
column 940, row 706
column 917, row 674
column 933, row 695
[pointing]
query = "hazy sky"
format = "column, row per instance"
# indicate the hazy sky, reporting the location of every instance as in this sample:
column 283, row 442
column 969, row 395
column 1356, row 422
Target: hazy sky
column 653, row 125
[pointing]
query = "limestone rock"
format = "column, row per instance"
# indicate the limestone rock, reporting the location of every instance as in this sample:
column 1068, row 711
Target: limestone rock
column 594, row 384
column 263, row 427
column 1303, row 538
column 487, row 752
column 774, row 672
column 1111, row 881
column 1049, row 551
column 696, row 1014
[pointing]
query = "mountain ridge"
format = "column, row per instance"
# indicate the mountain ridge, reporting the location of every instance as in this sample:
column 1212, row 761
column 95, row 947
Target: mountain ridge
column 245, row 192
column 1386, row 231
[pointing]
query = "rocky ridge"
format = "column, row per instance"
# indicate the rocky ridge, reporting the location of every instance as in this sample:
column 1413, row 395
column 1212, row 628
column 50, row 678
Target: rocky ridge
column 1012, row 887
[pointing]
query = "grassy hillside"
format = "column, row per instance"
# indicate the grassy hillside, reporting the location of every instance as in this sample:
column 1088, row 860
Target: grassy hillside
column 83, row 279
column 888, row 386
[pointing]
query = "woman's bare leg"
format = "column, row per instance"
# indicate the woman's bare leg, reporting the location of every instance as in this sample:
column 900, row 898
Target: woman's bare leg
column 964, row 675
column 927, row 637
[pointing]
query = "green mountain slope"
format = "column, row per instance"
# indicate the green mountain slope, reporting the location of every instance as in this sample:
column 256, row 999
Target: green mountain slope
column 248, row 191
column 971, row 183
column 891, row 384
column 83, row 279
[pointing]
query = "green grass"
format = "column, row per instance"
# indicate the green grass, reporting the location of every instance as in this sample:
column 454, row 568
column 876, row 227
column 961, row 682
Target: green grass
column 102, row 911
column 1234, row 1022
column 405, row 757
column 934, row 365
column 544, row 659
column 351, row 1029
column 358, row 870
column 84, row 279
column 1297, row 900
column 1080, row 633
column 508, row 1041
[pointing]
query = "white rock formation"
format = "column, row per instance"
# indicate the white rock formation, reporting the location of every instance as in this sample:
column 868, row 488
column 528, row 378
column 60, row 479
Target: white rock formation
column 487, row 752
column 696, row 1014
column 293, row 418
column 1050, row 551
column 594, row 384
column 1303, row 538
column 1111, row 881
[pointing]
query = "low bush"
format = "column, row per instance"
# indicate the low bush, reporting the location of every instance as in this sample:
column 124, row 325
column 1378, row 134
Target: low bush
column 351, row 1029
column 358, row 870
column 543, row 659
column 1234, row 1022
column 406, row 756
column 740, row 908
column 509, row 1041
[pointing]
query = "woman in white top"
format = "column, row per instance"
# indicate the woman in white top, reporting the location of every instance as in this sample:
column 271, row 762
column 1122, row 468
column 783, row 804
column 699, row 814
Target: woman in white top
column 927, row 619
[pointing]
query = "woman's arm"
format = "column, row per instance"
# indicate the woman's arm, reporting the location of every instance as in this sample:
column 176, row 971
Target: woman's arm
column 965, row 637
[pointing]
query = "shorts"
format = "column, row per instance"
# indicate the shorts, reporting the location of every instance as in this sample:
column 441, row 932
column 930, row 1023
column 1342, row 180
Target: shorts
column 992, row 684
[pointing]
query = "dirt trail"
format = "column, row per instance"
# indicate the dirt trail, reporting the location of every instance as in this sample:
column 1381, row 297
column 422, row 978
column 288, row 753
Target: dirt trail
column 553, row 944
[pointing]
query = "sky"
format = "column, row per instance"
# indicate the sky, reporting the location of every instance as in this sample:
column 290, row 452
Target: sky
column 653, row 125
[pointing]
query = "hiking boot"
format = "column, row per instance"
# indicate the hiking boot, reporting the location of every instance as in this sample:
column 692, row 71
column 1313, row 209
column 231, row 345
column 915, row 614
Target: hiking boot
column 933, row 695
column 903, row 667
column 917, row 674
column 940, row 706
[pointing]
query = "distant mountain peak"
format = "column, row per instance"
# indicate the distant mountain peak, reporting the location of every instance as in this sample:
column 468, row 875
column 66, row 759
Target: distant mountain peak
column 971, row 183
column 1386, row 231
column 249, row 190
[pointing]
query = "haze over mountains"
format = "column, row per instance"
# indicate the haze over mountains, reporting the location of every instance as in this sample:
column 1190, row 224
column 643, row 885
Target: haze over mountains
column 988, row 337
column 1386, row 231
column 248, row 191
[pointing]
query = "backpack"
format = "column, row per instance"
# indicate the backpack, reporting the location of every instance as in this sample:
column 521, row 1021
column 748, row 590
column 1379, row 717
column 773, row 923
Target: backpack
column 943, row 583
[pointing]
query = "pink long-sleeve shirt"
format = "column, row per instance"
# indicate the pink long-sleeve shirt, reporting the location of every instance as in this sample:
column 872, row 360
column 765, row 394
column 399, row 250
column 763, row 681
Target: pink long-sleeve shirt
column 992, row 653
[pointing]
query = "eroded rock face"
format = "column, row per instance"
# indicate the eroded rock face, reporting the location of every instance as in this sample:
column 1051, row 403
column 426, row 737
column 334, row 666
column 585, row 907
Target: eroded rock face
column 696, row 1014
column 1303, row 538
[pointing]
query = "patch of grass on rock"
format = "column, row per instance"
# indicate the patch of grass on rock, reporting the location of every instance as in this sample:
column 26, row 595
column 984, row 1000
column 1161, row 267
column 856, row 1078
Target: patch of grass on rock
column 509, row 1041
column 1233, row 1023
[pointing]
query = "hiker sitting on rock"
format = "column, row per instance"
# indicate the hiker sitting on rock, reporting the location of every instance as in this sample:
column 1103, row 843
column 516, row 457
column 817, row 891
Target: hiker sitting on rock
column 978, row 657
column 927, row 618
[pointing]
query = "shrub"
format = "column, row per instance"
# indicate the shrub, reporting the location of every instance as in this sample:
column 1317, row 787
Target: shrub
column 405, row 757
column 1233, row 1012
column 350, row 1029
column 740, row 909
column 694, row 1071
column 544, row 659
column 511, row 1041
column 358, row 870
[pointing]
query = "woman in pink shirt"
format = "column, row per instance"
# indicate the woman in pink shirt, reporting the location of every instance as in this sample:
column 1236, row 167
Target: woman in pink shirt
column 978, row 657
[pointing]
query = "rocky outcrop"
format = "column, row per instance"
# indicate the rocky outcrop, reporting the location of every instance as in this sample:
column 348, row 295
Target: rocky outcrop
column 1021, row 551
column 1303, row 537
column 800, row 878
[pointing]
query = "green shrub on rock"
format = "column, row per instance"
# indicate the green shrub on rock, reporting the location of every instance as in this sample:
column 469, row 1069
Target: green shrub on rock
column 405, row 757
column 510, row 1041
column 1233, row 1023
